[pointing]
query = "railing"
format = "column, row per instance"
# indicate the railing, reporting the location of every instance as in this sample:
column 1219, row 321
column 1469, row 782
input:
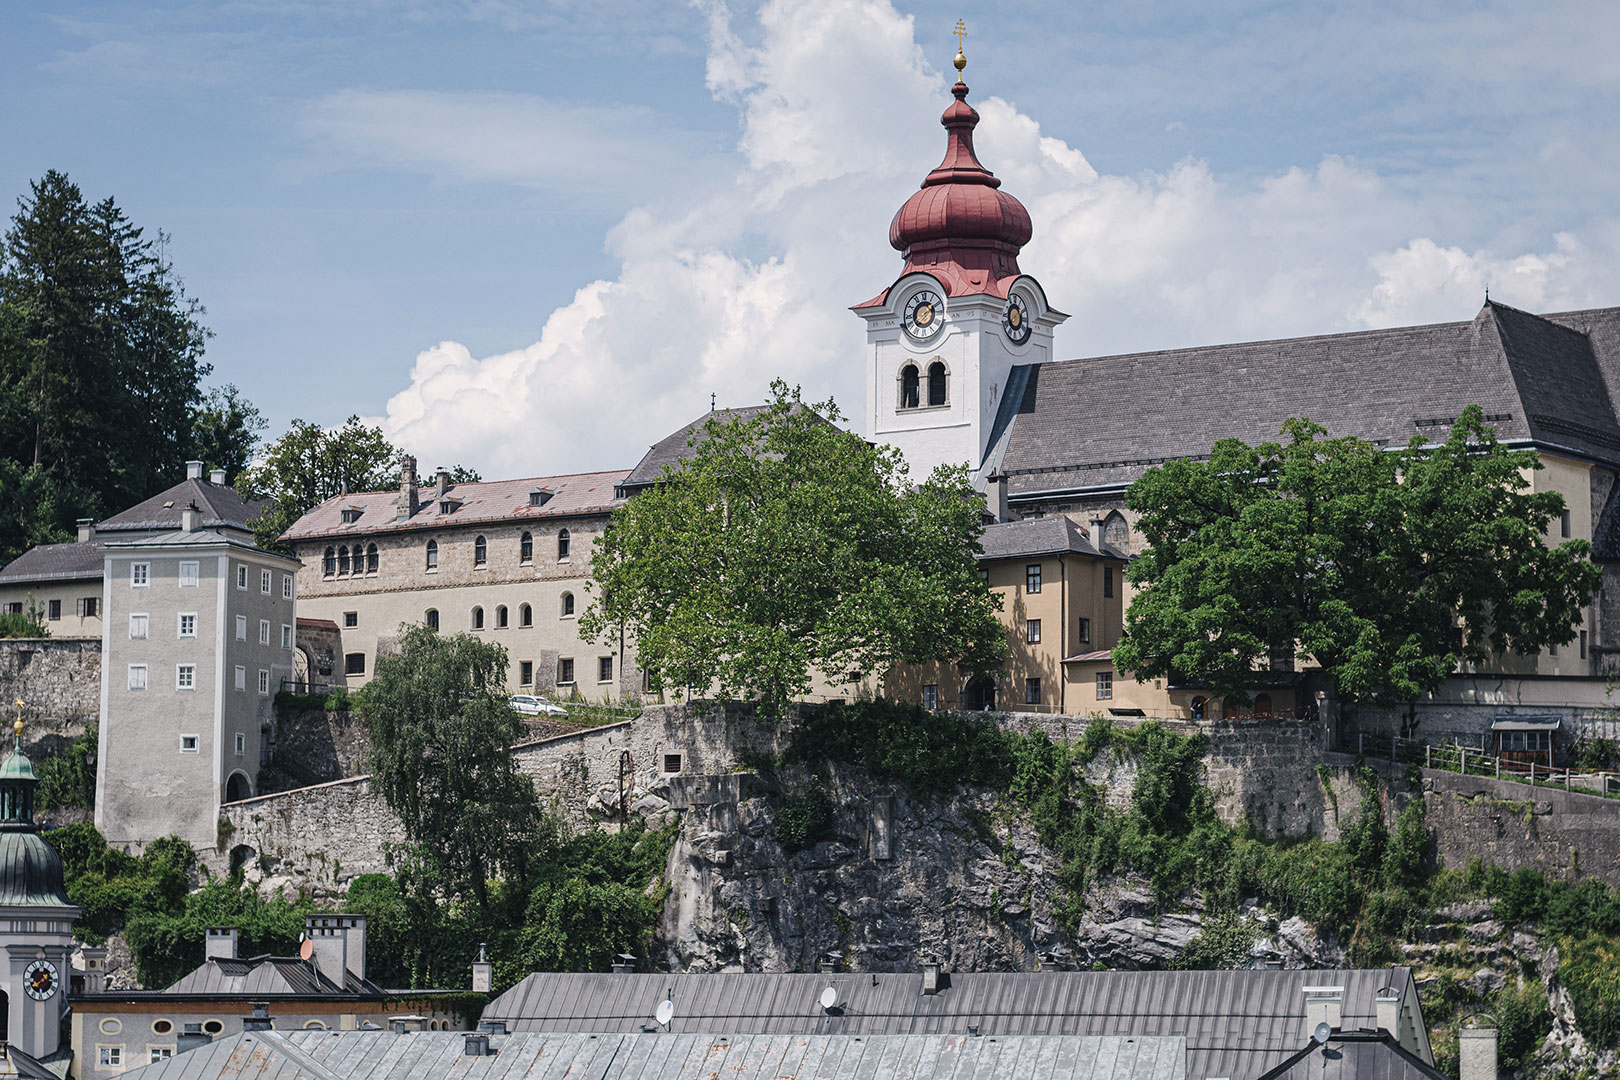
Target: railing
column 310, row 686
column 1470, row 761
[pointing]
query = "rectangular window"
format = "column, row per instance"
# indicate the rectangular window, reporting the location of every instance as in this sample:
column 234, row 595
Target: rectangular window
column 1032, row 691
column 931, row 696
column 984, row 577
column 264, row 681
column 1552, row 650
column 351, row 619
column 137, row 676
column 1583, row 644
column 160, row 1053
column 286, row 636
column 185, row 676
column 53, row 609
column 1032, row 578
column 188, row 744
column 565, row 671
column 604, row 669
column 1105, row 685
column 354, row 663
column 1108, row 581
column 1084, row 632
column 241, row 577
column 137, row 627
column 111, row 1056
column 241, row 744
column 1563, row 525
column 526, row 672
column 286, row 586
column 15, row 607
column 241, row 628
column 188, row 575
column 90, row 607
column 1032, row 631
column 264, row 631
column 672, row 763
column 241, row 677
column 188, row 624
column 265, row 580
column 139, row 573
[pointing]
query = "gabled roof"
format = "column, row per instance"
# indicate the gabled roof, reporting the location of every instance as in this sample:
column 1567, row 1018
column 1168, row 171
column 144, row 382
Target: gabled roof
column 1237, row 1023
column 1354, row 1055
column 486, row 502
column 268, row 975
column 1051, row 535
column 221, row 507
column 56, row 562
column 672, row 449
column 439, row 1055
column 1551, row 380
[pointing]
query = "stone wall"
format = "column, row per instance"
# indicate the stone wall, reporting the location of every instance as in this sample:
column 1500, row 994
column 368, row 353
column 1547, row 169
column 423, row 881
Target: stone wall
column 60, row 679
column 315, row 746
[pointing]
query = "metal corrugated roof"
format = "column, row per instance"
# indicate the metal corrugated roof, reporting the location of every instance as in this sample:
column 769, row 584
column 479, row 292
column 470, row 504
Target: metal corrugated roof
column 1356, row 1055
column 1237, row 1023
column 220, row 976
column 427, row 1055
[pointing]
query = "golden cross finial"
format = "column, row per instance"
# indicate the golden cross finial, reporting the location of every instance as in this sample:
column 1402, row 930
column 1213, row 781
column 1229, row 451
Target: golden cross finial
column 961, row 60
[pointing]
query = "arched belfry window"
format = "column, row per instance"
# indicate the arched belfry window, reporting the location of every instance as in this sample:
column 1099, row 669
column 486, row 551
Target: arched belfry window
column 329, row 564
column 908, row 387
column 936, row 383
column 371, row 558
column 343, row 559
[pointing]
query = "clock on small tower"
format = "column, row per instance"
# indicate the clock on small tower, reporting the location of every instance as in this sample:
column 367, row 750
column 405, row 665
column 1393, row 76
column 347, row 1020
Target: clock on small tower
column 40, row 980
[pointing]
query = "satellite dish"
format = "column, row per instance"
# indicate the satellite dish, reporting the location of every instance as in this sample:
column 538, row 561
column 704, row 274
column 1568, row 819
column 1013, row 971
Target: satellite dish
column 829, row 998
column 1323, row 1032
column 306, row 951
column 666, row 1012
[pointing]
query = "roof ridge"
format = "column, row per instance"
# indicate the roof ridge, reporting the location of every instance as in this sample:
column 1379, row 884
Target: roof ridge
column 473, row 483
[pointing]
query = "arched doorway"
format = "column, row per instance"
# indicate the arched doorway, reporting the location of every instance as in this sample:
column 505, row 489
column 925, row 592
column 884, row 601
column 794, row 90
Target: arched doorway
column 238, row 787
column 980, row 694
column 300, row 670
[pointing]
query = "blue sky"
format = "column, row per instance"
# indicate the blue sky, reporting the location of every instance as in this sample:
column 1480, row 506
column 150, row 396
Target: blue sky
column 534, row 237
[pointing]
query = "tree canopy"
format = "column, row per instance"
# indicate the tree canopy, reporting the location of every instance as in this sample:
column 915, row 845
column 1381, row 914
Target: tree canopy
column 310, row 464
column 783, row 545
column 1387, row 568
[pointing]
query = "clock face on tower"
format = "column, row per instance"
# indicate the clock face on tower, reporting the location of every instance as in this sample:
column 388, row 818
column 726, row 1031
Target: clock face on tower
column 925, row 313
column 1015, row 320
column 40, row 980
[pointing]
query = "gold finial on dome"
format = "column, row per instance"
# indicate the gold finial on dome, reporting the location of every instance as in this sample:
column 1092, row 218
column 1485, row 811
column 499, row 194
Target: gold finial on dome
column 17, row 727
column 961, row 60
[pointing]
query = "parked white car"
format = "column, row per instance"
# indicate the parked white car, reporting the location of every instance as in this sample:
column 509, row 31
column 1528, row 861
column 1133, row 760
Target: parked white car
column 529, row 705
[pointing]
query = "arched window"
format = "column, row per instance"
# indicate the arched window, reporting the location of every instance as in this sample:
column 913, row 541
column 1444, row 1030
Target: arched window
column 329, row 564
column 478, row 618
column 525, row 615
column 371, row 558
column 480, row 551
column 526, row 549
column 343, row 559
column 500, row 617
column 431, row 618
column 433, row 555
column 567, row 604
column 562, row 544
column 1262, row 705
column 936, row 383
column 908, row 387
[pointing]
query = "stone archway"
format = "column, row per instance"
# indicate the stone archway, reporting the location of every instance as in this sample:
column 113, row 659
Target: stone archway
column 301, row 668
column 238, row 787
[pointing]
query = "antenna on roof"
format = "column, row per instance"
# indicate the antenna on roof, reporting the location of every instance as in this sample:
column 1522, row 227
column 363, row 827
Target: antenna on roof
column 1487, row 292
column 711, row 401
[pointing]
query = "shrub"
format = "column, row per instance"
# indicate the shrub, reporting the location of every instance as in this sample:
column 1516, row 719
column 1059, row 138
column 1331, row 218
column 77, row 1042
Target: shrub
column 931, row 753
column 1522, row 1022
column 1224, row 944
column 67, row 778
column 804, row 817
column 1521, row 897
column 1590, row 970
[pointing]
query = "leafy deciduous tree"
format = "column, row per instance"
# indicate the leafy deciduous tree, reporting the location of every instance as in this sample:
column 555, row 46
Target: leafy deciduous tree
column 225, row 431
column 310, row 464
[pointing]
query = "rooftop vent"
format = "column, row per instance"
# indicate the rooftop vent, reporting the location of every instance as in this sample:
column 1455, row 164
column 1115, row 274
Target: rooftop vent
column 492, row 1027
column 476, row 1044
column 623, row 964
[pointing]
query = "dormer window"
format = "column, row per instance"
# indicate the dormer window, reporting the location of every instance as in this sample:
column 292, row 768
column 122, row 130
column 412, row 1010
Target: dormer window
column 448, row 506
column 351, row 514
column 539, row 497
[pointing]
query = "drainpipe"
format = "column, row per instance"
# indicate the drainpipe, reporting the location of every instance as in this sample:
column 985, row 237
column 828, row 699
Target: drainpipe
column 1063, row 635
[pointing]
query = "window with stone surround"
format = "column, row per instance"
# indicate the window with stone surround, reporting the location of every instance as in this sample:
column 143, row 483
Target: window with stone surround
column 526, row 549
column 567, row 605
column 564, row 544
column 432, row 556
column 500, row 617
column 525, row 615
column 372, row 560
column 480, row 553
column 329, row 562
column 565, row 671
column 477, row 618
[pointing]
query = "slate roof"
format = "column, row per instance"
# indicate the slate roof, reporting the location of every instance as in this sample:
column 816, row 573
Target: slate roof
column 1236, row 1023
column 57, row 562
column 270, row 975
column 486, row 502
column 673, row 448
column 221, row 507
column 431, row 1055
column 1549, row 379
column 1354, row 1055
column 1051, row 535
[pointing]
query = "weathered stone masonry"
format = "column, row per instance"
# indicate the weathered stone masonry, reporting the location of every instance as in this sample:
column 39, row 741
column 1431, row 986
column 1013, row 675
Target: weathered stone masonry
column 60, row 679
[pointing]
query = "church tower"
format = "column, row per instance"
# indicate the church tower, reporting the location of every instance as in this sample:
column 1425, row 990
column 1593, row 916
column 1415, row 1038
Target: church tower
column 36, row 920
column 951, row 343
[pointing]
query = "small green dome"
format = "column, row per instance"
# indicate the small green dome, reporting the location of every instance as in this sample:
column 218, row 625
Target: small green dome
column 30, row 871
column 17, row 767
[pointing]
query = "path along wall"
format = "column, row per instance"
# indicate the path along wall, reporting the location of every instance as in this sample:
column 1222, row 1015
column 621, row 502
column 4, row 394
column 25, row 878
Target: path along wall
column 60, row 679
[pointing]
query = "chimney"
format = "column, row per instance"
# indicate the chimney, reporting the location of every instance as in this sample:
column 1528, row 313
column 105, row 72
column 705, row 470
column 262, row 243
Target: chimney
column 492, row 1027
column 409, row 502
column 95, row 968
column 188, row 518
column 340, row 945
column 475, row 1044
column 259, row 1019
column 87, row 530
column 995, row 497
column 483, row 973
column 192, row 1037
column 931, row 977
column 829, row 961
column 1388, row 1003
column 219, row 943
column 1097, row 533
column 1476, row 1054
column 624, row 964
column 443, row 484
column 194, row 470
column 1324, row 1004
column 217, row 477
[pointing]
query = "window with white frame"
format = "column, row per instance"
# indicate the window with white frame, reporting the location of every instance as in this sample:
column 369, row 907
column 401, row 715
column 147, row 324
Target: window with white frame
column 264, row 631
column 241, row 744
column 185, row 676
column 264, row 681
column 241, row 677
column 931, row 696
column 137, row 626
column 111, row 1057
column 139, row 574
column 188, row 744
column 241, row 628
column 188, row 575
column 241, row 577
column 1105, row 685
column 160, row 1053
column 137, row 676
column 1032, row 631
column 188, row 624
column 286, row 636
column 286, row 586
column 265, row 579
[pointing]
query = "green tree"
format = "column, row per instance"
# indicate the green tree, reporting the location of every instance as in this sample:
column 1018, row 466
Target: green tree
column 226, row 430
column 310, row 464
column 782, row 545
column 1388, row 569
column 441, row 738
column 27, row 623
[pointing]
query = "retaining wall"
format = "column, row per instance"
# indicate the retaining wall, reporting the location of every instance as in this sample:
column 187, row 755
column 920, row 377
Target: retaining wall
column 59, row 678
